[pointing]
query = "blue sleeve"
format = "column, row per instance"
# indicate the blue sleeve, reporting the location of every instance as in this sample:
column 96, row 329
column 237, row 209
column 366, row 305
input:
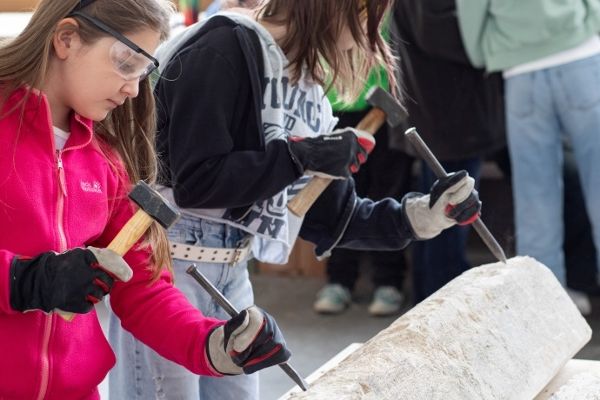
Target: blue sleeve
column 341, row 219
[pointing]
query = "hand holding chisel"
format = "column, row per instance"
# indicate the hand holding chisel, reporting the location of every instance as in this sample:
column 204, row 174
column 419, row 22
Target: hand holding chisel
column 228, row 307
column 413, row 137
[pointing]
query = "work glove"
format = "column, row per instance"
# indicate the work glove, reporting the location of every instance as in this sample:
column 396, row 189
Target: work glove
column 452, row 200
column 334, row 156
column 247, row 343
column 72, row 281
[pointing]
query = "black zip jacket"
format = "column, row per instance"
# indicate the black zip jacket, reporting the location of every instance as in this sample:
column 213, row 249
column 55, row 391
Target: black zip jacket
column 458, row 109
column 213, row 153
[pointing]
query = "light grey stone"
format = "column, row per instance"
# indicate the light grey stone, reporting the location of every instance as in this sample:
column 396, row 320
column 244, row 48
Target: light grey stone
column 495, row 332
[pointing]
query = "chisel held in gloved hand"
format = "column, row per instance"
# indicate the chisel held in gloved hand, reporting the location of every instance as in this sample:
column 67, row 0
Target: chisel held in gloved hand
column 230, row 309
column 419, row 145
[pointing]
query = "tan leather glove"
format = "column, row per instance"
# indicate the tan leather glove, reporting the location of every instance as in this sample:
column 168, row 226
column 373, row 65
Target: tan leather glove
column 452, row 200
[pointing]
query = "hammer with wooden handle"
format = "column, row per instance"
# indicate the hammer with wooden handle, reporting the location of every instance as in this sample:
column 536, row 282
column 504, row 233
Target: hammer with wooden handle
column 152, row 207
column 382, row 110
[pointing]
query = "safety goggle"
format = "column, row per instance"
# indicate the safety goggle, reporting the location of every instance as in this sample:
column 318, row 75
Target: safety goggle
column 129, row 60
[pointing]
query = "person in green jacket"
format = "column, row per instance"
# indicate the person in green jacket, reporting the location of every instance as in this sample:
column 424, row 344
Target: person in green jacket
column 549, row 54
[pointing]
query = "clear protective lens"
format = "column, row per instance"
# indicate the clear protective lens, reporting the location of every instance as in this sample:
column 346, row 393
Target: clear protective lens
column 129, row 64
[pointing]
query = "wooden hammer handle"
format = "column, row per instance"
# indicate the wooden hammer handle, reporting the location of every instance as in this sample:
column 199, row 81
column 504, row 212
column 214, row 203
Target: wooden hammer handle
column 131, row 232
column 302, row 202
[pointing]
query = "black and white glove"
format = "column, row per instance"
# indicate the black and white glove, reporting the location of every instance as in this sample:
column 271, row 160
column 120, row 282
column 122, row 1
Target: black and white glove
column 452, row 200
column 72, row 281
column 336, row 155
column 247, row 343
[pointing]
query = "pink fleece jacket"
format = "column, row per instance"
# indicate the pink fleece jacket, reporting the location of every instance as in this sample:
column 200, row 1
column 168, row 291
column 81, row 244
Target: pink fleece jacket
column 59, row 200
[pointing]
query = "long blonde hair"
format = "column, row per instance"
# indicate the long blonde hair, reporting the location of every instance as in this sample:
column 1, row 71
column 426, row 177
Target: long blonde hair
column 131, row 128
column 313, row 29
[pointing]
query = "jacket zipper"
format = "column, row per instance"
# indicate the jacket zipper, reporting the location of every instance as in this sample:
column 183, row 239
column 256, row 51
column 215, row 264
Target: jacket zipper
column 45, row 357
column 62, row 193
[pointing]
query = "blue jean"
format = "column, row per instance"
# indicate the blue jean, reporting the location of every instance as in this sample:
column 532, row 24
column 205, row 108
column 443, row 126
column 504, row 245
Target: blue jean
column 141, row 373
column 439, row 260
column 543, row 107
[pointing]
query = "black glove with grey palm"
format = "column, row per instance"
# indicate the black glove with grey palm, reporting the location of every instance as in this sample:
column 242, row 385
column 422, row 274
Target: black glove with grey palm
column 248, row 342
column 72, row 281
column 335, row 156
column 452, row 200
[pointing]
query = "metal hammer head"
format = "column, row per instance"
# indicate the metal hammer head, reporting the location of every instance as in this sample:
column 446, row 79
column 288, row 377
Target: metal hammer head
column 153, row 204
column 379, row 98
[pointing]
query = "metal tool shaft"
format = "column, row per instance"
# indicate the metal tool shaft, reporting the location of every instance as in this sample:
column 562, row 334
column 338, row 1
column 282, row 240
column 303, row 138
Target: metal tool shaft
column 421, row 147
column 230, row 309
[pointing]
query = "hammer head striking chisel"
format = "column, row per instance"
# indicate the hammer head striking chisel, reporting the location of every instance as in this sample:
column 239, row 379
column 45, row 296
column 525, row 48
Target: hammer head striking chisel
column 385, row 108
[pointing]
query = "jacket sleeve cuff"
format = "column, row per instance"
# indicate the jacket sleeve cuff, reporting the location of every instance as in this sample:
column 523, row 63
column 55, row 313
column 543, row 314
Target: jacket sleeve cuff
column 405, row 218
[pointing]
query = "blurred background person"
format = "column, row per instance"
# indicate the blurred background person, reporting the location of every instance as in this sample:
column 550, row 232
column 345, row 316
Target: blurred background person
column 219, row 5
column 190, row 9
column 457, row 109
column 549, row 55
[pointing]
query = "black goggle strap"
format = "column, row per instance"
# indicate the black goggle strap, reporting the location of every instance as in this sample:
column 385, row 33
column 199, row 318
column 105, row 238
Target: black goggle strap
column 83, row 4
column 102, row 26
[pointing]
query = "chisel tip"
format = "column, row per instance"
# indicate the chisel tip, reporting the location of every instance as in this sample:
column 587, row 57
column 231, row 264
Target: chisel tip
column 292, row 373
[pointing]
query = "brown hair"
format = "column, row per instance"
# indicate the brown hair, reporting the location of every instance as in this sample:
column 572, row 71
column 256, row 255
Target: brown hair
column 131, row 128
column 313, row 28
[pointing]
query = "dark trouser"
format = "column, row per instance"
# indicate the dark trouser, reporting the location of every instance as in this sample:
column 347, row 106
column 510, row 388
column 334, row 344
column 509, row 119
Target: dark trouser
column 386, row 174
column 580, row 252
column 439, row 260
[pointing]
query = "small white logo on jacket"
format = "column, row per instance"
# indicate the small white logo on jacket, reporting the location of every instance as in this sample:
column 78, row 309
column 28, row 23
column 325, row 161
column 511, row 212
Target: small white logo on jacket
column 91, row 187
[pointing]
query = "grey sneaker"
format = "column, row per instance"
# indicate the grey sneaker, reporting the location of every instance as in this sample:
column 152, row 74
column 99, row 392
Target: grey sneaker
column 387, row 300
column 332, row 299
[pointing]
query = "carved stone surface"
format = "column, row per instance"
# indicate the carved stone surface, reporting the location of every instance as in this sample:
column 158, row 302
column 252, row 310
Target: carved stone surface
column 583, row 386
column 495, row 332
column 577, row 380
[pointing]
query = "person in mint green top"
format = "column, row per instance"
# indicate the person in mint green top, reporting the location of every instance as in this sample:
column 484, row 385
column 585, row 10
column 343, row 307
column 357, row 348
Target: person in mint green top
column 386, row 174
column 549, row 54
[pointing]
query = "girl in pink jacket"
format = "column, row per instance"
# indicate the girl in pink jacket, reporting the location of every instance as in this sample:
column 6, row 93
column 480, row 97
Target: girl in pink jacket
column 76, row 129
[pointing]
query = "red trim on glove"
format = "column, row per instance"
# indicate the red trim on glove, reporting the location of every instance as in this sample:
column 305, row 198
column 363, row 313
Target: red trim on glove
column 367, row 144
column 264, row 357
column 91, row 299
column 470, row 220
column 101, row 285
